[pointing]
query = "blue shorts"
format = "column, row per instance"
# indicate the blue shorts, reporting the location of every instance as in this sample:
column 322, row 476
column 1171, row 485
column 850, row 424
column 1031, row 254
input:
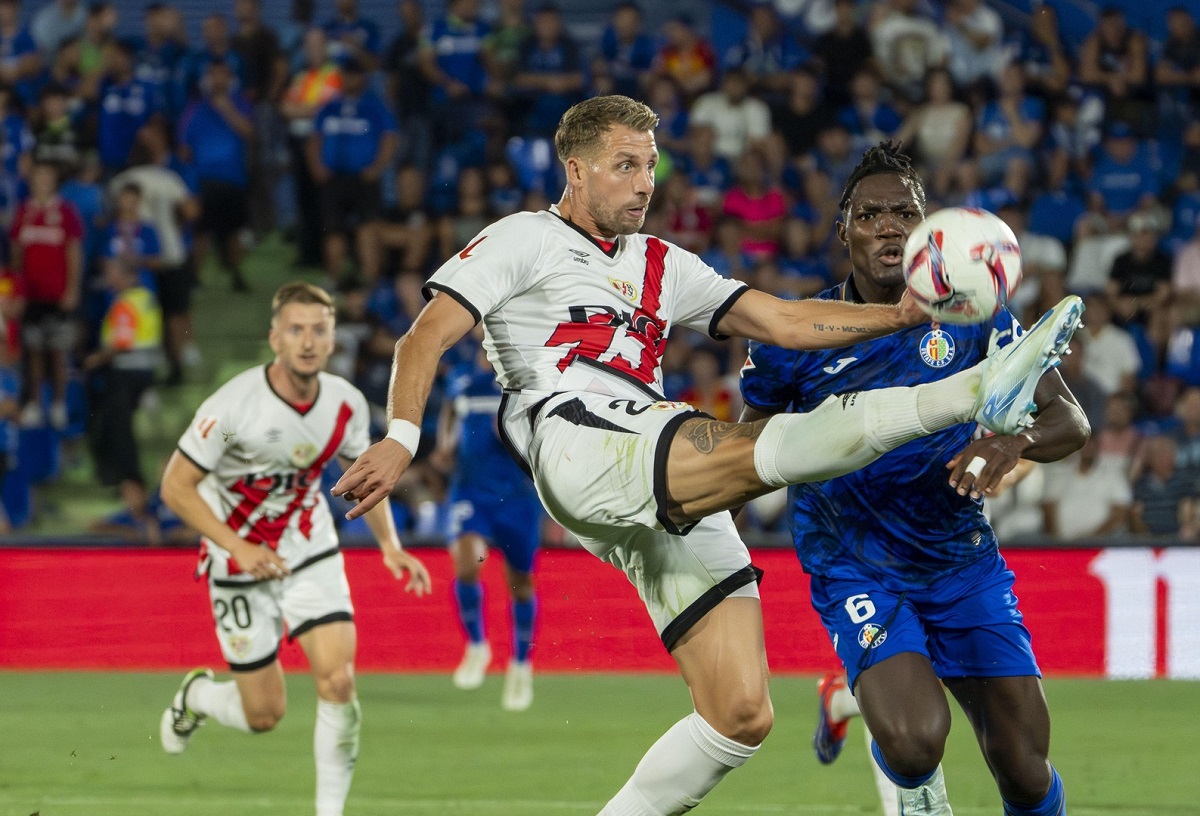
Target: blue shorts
column 967, row 622
column 513, row 524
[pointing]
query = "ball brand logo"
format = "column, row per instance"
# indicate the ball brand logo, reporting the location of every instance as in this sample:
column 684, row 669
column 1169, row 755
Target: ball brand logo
column 625, row 289
column 871, row 636
column 937, row 349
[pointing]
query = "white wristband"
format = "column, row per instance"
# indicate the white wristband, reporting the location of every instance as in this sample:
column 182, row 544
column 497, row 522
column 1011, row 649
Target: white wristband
column 406, row 433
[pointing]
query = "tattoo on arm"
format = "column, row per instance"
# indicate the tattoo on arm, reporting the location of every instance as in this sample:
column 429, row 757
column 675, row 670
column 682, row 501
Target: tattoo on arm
column 706, row 434
column 827, row 327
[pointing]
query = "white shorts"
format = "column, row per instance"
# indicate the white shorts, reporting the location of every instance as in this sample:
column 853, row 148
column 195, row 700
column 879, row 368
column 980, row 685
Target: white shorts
column 600, row 463
column 250, row 616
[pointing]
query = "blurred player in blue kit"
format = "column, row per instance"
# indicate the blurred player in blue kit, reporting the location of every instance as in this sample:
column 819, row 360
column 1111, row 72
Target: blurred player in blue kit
column 905, row 570
column 492, row 503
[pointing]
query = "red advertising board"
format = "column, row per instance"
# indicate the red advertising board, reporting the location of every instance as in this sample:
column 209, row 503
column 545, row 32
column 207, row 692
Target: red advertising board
column 1117, row 612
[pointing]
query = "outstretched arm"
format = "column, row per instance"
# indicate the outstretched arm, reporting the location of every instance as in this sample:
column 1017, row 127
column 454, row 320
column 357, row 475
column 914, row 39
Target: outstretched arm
column 1059, row 430
column 441, row 324
column 815, row 324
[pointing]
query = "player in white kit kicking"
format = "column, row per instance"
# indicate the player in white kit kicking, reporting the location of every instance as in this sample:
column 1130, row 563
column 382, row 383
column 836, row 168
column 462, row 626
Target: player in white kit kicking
column 247, row 475
column 576, row 307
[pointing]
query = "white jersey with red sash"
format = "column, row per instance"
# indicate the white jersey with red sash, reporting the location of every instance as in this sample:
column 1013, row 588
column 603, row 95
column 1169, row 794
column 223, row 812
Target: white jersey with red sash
column 264, row 458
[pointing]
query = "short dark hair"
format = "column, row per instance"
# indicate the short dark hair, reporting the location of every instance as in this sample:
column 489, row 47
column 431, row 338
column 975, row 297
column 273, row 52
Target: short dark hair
column 887, row 157
column 130, row 187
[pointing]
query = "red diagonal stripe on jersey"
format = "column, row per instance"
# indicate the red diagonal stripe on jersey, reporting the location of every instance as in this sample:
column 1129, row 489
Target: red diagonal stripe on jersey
column 269, row 531
column 656, row 252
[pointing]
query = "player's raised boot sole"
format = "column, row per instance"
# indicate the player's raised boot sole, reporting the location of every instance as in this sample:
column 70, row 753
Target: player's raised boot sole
column 473, row 668
column 518, row 687
column 178, row 722
column 830, row 734
column 1011, row 374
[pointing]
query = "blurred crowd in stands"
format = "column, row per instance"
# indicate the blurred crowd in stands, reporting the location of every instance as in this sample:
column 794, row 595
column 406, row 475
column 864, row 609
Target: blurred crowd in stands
column 125, row 161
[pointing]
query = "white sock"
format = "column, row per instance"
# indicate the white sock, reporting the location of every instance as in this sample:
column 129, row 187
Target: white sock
column 849, row 431
column 335, row 748
column 842, row 705
column 889, row 794
column 679, row 770
column 221, row 701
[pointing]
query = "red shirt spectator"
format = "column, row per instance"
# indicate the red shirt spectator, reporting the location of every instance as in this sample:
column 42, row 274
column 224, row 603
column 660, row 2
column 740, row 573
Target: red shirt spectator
column 42, row 235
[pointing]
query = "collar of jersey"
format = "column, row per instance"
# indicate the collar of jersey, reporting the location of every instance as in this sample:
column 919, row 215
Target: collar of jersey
column 612, row 253
column 850, row 291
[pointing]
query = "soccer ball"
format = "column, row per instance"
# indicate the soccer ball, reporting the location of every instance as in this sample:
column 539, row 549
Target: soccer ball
column 961, row 265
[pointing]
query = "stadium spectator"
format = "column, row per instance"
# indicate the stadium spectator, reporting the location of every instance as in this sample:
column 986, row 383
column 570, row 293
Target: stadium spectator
column 310, row 89
column 1139, row 281
column 257, row 45
column 708, row 173
column 1043, row 262
column 686, row 57
column 119, row 371
column 503, row 44
column 352, row 36
column 1094, row 249
column 834, row 156
column 408, row 88
column 1111, row 359
column 1177, row 70
column 868, row 116
column 1124, row 178
column 907, row 44
column 407, row 230
column 549, row 75
column 1084, row 500
column 456, row 229
column 130, row 241
column 1040, row 51
column 453, row 60
column 1115, row 61
column 214, row 134
column 56, row 22
column 160, row 51
column 352, row 144
column 1090, row 395
column 1006, row 132
column 757, row 206
column 976, row 34
column 16, row 153
column 708, row 390
column 126, row 103
column 1164, row 501
column 628, row 53
column 1185, row 276
column 170, row 207
column 664, row 95
column 45, row 245
column 20, row 61
column 301, row 14
column 1120, row 441
column 216, row 46
column 938, row 131
column 797, row 120
column 842, row 51
column 802, row 271
column 766, row 53
column 1072, row 138
column 57, row 139
column 740, row 121
column 94, row 57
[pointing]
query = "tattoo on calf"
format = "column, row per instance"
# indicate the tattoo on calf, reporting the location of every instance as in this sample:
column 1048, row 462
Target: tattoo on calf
column 706, row 434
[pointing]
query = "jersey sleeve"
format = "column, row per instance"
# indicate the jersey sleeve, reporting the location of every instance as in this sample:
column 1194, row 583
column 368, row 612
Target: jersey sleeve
column 702, row 297
column 358, row 431
column 767, row 379
column 204, row 440
column 493, row 267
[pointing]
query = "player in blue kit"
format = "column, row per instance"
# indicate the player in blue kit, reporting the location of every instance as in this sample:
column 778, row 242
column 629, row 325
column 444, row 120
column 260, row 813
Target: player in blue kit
column 905, row 570
column 492, row 503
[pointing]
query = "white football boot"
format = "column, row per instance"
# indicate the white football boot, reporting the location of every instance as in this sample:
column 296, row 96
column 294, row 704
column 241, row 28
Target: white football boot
column 474, row 666
column 928, row 800
column 1011, row 374
column 518, row 687
column 179, row 722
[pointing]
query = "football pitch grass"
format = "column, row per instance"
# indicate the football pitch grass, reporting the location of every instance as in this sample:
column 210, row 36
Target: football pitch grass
column 86, row 744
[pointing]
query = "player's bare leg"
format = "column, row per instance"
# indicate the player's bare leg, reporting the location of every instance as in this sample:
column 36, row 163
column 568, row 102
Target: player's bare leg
column 723, row 660
column 252, row 701
column 905, row 710
column 1012, row 724
column 330, row 650
column 468, row 553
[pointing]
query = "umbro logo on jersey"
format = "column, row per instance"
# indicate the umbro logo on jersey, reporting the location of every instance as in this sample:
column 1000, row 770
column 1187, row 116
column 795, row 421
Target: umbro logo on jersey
column 837, row 367
column 274, row 434
column 466, row 253
column 578, row 252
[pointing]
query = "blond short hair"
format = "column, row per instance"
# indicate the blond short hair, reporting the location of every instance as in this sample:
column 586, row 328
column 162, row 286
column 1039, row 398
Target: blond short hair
column 582, row 128
column 299, row 292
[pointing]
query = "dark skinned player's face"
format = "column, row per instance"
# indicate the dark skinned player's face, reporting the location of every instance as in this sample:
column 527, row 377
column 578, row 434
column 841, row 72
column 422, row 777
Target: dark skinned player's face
column 883, row 211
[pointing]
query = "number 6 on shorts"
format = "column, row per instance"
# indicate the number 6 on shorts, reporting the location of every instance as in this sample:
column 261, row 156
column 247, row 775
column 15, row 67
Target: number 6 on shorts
column 860, row 607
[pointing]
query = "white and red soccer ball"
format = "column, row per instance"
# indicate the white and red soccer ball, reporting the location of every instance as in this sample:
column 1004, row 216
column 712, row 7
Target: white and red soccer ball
column 962, row 265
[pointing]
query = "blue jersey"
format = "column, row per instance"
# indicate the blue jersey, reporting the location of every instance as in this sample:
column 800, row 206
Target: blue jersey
column 484, row 465
column 218, row 151
column 124, row 108
column 897, row 518
column 351, row 130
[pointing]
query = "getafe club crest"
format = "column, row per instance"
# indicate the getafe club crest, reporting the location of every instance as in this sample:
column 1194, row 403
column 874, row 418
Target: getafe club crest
column 626, row 289
column 871, row 636
column 937, row 348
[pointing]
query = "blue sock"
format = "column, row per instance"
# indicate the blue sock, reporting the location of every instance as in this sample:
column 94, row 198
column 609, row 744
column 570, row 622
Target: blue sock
column 1055, row 803
column 910, row 782
column 523, row 613
column 469, row 599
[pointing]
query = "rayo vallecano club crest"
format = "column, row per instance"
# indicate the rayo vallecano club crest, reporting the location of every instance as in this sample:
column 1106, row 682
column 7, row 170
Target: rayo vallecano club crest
column 937, row 348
